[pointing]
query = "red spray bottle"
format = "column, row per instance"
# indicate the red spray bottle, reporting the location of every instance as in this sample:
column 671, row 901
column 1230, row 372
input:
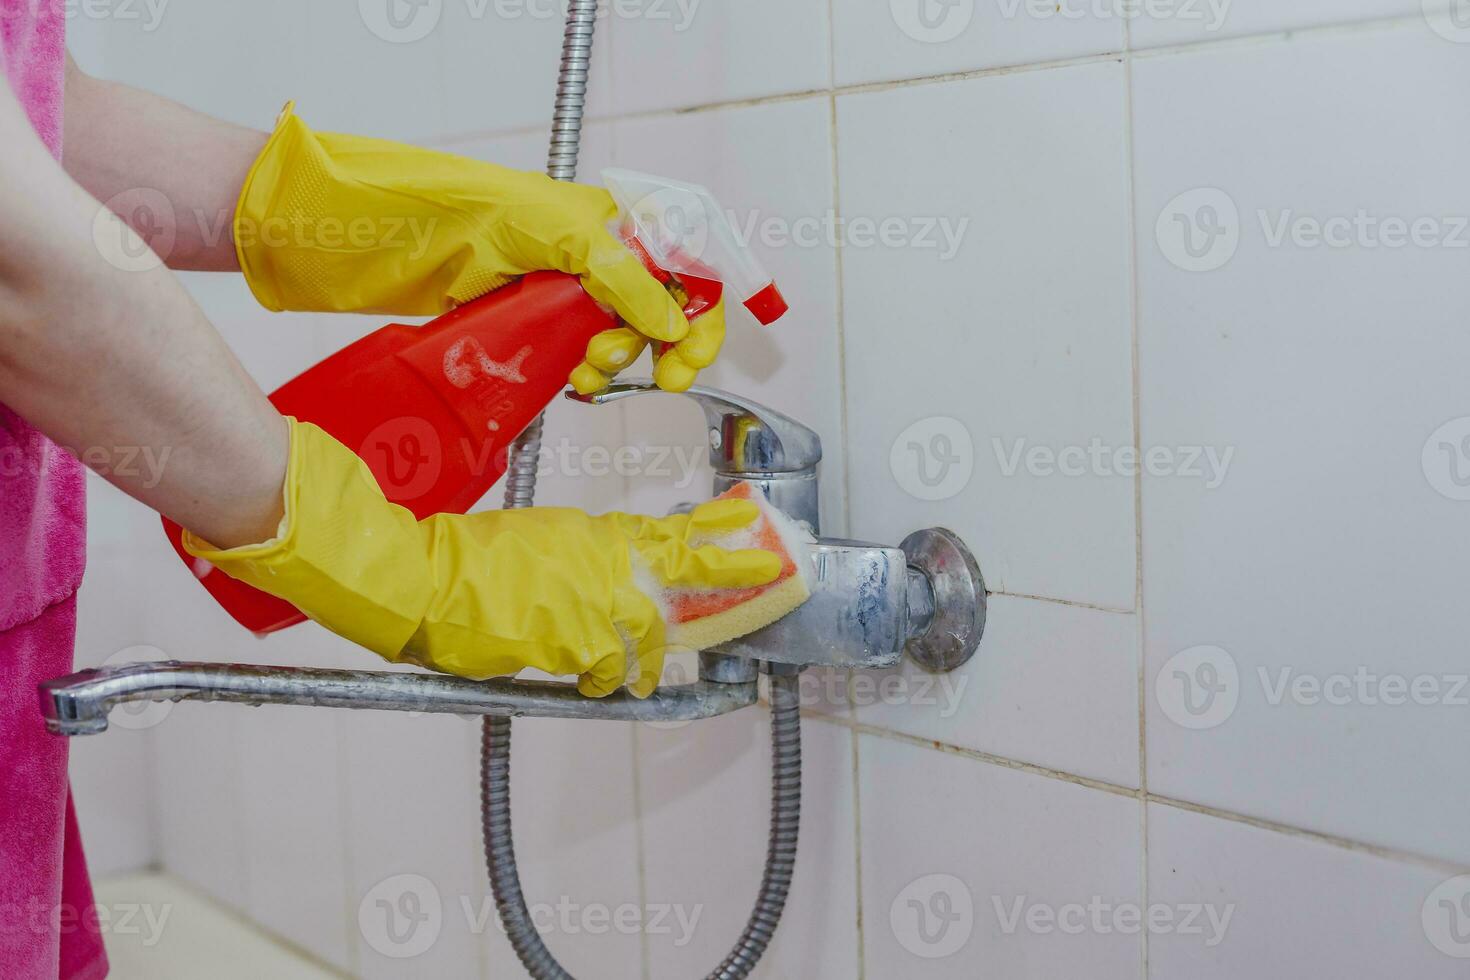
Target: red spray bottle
column 433, row 410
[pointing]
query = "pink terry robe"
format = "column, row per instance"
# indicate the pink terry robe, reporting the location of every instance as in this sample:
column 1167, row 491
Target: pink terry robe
column 48, row 929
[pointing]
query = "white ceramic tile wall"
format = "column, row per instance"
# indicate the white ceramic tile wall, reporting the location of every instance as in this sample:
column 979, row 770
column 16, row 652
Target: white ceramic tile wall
column 923, row 38
column 956, row 854
column 412, row 835
column 200, row 828
column 385, row 82
column 110, row 775
column 705, row 802
column 770, row 166
column 500, row 67
column 1017, row 785
column 1271, row 905
column 238, row 62
column 1051, row 671
column 681, row 53
column 290, row 796
column 577, row 844
column 1192, row 23
column 968, row 354
column 1327, row 370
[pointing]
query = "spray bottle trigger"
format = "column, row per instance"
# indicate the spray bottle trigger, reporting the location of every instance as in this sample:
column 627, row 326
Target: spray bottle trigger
column 696, row 294
column 629, row 235
column 684, row 231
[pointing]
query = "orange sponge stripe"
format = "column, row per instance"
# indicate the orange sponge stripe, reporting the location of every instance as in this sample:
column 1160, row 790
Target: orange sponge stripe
column 698, row 620
column 752, row 614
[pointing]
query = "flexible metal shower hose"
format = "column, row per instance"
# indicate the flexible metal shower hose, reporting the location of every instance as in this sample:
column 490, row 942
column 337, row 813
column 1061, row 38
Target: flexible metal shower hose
column 520, row 491
column 775, row 885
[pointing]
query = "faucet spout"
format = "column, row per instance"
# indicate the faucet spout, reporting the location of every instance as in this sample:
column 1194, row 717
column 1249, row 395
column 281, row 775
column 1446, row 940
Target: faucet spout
column 869, row 605
column 79, row 704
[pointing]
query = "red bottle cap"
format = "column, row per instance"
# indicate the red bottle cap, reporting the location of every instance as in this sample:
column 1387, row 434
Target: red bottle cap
column 768, row 305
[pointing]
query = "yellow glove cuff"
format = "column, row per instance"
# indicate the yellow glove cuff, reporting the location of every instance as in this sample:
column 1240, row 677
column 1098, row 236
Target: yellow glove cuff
column 257, row 199
column 328, row 222
column 343, row 554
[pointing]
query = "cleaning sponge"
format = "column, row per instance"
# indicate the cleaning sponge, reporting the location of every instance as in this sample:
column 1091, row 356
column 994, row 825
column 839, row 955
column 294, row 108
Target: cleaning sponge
column 702, row 618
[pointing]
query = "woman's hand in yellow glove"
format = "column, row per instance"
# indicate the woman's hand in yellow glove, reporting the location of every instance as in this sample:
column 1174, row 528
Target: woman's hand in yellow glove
column 483, row 595
column 570, row 593
column 675, row 365
column 336, row 223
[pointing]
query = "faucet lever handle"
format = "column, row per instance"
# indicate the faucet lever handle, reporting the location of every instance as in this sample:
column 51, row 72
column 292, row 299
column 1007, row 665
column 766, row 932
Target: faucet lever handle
column 745, row 437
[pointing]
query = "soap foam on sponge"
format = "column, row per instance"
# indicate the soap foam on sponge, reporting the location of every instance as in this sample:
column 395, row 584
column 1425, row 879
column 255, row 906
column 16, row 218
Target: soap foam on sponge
column 705, row 618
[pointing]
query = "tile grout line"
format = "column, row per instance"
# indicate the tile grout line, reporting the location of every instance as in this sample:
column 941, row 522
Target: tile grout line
column 154, row 777
column 1396, row 855
column 242, row 862
column 841, row 311
column 640, row 845
column 1393, row 854
column 640, row 842
column 1076, row 604
column 777, row 98
column 349, row 865
column 843, row 439
column 1131, row 200
column 857, row 852
column 1004, row 762
column 863, row 88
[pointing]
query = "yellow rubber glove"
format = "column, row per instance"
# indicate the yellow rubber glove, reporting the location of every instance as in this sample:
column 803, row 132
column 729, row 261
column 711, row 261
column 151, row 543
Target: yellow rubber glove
column 336, row 223
column 675, row 368
column 484, row 595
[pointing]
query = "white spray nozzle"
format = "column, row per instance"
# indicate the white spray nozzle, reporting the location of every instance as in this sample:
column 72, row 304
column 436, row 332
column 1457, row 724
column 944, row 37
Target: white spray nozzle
column 686, row 232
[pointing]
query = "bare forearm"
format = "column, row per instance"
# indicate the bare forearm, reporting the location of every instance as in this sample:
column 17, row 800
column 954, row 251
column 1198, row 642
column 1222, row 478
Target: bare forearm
column 172, row 173
column 108, row 361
